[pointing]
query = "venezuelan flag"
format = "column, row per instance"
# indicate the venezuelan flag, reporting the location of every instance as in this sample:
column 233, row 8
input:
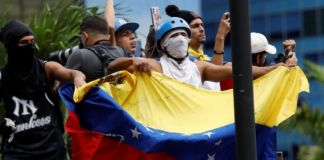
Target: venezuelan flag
column 134, row 116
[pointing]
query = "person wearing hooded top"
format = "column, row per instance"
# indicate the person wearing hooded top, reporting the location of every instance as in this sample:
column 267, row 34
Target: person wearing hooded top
column 26, row 89
column 173, row 39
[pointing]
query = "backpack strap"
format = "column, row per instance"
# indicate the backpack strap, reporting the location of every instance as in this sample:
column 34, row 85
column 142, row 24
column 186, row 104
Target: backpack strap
column 92, row 49
column 103, row 57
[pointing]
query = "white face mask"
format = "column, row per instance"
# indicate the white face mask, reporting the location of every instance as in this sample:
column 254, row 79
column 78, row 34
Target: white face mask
column 177, row 46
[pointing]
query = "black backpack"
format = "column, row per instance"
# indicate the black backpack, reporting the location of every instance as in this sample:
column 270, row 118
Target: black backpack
column 102, row 55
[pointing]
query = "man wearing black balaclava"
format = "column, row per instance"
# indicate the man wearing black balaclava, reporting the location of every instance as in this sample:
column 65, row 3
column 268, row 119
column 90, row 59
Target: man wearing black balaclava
column 33, row 124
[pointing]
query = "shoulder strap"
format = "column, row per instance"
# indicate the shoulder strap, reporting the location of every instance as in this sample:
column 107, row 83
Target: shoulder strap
column 102, row 56
column 94, row 50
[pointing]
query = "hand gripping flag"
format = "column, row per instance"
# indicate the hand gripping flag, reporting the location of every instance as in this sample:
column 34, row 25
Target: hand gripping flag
column 133, row 116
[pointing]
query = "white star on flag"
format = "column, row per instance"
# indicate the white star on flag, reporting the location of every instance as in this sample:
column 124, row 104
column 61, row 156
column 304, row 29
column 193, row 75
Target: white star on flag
column 218, row 143
column 211, row 157
column 208, row 134
column 135, row 133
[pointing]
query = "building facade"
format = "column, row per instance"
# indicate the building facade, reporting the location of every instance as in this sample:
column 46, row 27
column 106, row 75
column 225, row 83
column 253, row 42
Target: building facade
column 278, row 20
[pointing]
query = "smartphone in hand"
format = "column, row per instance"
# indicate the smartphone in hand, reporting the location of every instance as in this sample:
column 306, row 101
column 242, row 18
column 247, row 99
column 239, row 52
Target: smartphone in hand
column 156, row 17
column 138, row 52
column 227, row 16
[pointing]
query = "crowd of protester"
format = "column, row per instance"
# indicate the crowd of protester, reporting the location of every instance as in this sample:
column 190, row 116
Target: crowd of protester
column 33, row 126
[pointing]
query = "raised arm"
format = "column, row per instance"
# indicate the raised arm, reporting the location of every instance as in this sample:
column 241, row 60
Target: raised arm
column 289, row 47
column 110, row 18
column 224, row 28
column 55, row 71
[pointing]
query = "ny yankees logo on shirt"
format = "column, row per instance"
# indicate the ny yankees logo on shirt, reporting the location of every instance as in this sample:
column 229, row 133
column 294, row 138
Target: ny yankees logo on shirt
column 28, row 108
column 25, row 105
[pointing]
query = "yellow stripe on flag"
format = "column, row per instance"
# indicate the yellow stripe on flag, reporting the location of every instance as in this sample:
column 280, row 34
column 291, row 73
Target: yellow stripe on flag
column 164, row 103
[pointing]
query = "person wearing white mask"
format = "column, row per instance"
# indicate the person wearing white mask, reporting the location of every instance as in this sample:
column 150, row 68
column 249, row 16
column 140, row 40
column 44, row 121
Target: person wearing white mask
column 172, row 37
column 175, row 62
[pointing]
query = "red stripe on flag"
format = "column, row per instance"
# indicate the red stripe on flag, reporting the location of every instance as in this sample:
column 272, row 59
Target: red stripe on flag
column 111, row 149
column 84, row 143
column 90, row 145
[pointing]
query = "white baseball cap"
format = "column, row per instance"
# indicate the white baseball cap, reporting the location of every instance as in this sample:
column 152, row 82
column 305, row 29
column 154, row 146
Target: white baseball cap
column 259, row 43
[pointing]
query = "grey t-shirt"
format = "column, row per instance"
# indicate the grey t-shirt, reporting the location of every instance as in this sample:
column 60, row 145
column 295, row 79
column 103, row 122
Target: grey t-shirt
column 89, row 63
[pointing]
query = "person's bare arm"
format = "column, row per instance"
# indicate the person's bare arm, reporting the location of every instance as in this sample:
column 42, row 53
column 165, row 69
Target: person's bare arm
column 215, row 73
column 224, row 28
column 228, row 64
column 124, row 63
column 55, row 71
column 110, row 18
column 132, row 64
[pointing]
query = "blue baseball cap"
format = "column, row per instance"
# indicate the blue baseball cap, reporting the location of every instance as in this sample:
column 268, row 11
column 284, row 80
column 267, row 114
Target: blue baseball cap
column 121, row 24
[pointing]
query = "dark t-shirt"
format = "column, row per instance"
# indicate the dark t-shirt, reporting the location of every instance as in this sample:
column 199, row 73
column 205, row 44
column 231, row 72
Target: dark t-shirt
column 90, row 64
column 38, row 122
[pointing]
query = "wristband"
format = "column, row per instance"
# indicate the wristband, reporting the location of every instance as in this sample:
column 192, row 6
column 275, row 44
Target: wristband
column 218, row 52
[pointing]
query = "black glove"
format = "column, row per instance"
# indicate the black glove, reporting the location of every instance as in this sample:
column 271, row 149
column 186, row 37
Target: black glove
column 7, row 126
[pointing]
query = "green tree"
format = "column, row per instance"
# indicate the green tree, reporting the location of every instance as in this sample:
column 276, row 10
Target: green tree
column 309, row 121
column 55, row 28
